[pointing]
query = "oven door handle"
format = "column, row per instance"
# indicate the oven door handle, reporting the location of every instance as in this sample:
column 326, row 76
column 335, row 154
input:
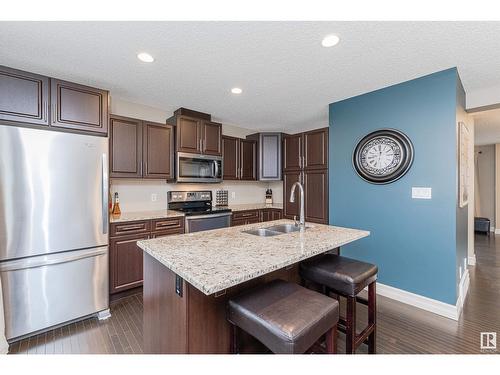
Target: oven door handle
column 208, row 216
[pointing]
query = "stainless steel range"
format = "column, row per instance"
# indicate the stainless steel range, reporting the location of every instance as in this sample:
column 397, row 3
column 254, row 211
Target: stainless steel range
column 198, row 209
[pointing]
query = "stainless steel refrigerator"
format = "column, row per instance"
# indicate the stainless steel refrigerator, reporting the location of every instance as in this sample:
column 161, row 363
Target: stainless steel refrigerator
column 53, row 227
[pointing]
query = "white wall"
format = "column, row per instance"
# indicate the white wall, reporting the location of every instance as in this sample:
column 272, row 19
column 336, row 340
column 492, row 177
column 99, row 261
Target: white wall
column 136, row 195
column 486, row 177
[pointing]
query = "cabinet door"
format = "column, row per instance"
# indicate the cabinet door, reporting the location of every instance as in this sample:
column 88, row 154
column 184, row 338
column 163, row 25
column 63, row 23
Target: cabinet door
column 276, row 214
column 316, row 202
column 265, row 215
column 24, row 97
column 230, row 158
column 316, row 149
column 125, row 263
column 270, row 156
column 291, row 209
column 248, row 159
column 158, row 151
column 125, row 147
column 292, row 152
column 78, row 107
column 212, row 138
column 188, row 135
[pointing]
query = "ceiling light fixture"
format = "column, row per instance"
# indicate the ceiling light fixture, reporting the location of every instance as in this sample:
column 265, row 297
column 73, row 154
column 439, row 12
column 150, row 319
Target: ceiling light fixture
column 330, row 40
column 236, row 90
column 145, row 57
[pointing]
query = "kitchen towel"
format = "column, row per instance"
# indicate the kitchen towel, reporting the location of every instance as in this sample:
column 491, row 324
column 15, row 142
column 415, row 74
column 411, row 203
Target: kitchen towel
column 4, row 346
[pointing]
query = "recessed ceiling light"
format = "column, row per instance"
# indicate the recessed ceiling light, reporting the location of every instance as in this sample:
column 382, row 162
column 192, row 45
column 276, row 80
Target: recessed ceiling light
column 330, row 40
column 146, row 57
column 236, row 90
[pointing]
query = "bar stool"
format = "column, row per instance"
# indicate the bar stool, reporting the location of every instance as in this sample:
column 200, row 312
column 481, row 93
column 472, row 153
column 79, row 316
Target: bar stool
column 285, row 317
column 347, row 278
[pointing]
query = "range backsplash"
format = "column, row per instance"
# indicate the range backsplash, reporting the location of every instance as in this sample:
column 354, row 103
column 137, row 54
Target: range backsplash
column 136, row 195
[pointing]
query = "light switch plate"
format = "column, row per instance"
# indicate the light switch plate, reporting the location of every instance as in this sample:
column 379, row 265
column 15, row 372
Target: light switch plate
column 154, row 197
column 421, row 193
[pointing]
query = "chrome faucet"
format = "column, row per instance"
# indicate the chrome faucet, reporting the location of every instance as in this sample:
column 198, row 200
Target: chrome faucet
column 302, row 222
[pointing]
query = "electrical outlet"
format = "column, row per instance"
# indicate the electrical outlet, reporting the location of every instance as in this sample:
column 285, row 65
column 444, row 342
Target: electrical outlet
column 154, row 197
column 421, row 193
column 233, row 195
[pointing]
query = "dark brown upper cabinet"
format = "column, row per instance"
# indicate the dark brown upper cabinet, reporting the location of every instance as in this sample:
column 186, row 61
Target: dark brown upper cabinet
column 24, row 97
column 269, row 155
column 315, row 149
column 248, row 159
column 230, row 157
column 212, row 138
column 78, row 107
column 158, row 147
column 292, row 152
column 188, row 135
column 196, row 135
column 239, row 158
column 141, row 149
column 306, row 160
column 27, row 98
column 125, row 147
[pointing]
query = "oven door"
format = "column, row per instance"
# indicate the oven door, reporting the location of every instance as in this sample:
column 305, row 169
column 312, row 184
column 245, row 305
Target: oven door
column 198, row 168
column 207, row 222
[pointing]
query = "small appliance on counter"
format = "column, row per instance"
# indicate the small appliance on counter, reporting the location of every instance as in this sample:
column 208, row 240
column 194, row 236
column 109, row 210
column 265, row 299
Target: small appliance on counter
column 269, row 196
column 221, row 198
column 198, row 210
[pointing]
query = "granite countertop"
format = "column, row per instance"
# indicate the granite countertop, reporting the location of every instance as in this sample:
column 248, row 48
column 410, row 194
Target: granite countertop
column 254, row 206
column 144, row 215
column 214, row 260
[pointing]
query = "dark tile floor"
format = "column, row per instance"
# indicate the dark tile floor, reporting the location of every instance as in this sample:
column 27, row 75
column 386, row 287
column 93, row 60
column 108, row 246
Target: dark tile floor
column 401, row 328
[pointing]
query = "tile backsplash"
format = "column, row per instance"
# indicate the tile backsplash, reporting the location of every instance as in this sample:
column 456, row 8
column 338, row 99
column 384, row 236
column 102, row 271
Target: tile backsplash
column 140, row 195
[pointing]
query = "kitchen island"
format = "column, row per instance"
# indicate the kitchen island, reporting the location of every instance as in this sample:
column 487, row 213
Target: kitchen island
column 189, row 278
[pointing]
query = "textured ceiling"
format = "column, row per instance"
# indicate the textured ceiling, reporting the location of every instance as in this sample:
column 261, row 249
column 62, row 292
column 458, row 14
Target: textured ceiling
column 487, row 127
column 287, row 78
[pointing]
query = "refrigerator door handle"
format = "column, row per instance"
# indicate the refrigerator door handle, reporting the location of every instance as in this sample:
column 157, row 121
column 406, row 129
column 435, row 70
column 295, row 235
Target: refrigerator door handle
column 105, row 194
column 52, row 259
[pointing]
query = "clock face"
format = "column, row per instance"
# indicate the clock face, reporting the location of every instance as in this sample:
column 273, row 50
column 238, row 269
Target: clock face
column 383, row 156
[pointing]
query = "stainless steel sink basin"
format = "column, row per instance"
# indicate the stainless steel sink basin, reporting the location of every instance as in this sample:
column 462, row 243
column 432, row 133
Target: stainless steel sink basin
column 262, row 232
column 284, row 228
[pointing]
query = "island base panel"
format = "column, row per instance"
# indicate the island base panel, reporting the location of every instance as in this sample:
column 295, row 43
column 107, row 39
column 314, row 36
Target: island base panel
column 194, row 322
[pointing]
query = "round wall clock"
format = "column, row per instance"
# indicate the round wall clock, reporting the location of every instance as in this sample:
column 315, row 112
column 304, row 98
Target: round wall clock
column 383, row 156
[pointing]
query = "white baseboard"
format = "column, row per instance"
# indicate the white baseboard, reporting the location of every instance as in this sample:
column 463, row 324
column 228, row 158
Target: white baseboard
column 471, row 260
column 492, row 229
column 497, row 231
column 428, row 304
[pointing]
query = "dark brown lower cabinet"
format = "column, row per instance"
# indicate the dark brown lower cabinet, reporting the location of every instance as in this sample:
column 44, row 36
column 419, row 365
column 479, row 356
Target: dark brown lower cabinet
column 125, row 263
column 126, row 258
column 270, row 214
column 255, row 216
column 315, row 183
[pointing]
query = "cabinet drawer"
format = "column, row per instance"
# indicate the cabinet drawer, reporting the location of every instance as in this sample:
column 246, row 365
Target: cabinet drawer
column 168, row 224
column 130, row 227
column 167, row 232
column 251, row 214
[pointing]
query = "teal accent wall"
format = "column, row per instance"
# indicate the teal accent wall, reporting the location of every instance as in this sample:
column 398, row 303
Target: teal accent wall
column 413, row 241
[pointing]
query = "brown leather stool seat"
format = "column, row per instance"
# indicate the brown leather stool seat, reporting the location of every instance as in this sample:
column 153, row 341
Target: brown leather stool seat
column 285, row 317
column 343, row 275
column 347, row 278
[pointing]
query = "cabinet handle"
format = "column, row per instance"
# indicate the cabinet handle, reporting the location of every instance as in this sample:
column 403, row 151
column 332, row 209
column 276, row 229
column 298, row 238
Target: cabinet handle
column 131, row 227
column 167, row 224
column 247, row 215
column 45, row 110
column 53, row 113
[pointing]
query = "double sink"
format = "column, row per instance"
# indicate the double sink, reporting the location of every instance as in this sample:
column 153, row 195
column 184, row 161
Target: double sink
column 275, row 230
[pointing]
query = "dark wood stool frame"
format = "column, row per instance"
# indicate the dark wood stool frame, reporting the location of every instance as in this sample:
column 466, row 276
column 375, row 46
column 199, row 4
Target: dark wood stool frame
column 330, row 340
column 348, row 325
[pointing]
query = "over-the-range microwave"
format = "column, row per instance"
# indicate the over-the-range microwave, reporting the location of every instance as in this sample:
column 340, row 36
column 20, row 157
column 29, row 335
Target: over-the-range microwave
column 198, row 168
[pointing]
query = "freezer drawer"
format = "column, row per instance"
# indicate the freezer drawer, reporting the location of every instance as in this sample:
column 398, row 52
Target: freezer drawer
column 43, row 291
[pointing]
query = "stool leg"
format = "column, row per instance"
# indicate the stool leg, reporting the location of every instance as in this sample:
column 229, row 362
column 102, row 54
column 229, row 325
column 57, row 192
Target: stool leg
column 350, row 334
column 234, row 349
column 331, row 340
column 372, row 317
